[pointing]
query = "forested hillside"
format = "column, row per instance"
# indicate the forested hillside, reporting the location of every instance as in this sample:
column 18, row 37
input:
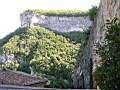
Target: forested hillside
column 49, row 55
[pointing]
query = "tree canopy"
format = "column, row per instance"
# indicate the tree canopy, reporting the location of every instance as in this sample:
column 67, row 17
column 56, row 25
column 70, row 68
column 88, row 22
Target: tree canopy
column 49, row 55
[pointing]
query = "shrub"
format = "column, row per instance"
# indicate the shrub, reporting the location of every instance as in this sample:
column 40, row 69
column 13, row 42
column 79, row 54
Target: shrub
column 49, row 55
column 109, row 50
column 92, row 13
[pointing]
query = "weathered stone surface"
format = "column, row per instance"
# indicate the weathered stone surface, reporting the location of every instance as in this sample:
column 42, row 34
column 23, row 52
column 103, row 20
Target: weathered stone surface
column 57, row 23
column 108, row 9
column 6, row 58
column 83, row 69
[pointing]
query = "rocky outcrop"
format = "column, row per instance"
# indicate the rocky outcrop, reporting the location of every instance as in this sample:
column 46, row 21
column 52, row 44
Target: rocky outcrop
column 56, row 23
column 83, row 68
column 6, row 58
column 108, row 9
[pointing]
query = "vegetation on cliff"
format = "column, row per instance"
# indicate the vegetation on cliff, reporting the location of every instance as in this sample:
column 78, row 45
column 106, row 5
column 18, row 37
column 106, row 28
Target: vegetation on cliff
column 74, row 36
column 93, row 13
column 48, row 54
column 109, row 50
column 59, row 12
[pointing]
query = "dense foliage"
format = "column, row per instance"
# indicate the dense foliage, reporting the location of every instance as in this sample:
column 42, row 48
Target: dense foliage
column 60, row 12
column 75, row 36
column 93, row 13
column 49, row 55
column 109, row 50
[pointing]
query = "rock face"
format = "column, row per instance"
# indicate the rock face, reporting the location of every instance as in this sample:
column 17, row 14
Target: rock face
column 57, row 23
column 6, row 58
column 108, row 9
column 83, row 68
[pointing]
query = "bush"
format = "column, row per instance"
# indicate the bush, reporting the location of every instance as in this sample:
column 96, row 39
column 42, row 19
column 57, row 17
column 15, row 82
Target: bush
column 92, row 13
column 109, row 50
column 75, row 36
column 49, row 55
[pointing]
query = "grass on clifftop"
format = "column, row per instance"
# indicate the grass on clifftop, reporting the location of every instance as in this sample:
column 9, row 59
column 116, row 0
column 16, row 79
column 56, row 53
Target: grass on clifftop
column 59, row 12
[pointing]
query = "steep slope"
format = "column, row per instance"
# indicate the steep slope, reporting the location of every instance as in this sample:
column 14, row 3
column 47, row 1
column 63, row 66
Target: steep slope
column 43, row 53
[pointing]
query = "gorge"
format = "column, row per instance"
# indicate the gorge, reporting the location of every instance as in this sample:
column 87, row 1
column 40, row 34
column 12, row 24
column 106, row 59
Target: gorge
column 108, row 9
column 33, row 43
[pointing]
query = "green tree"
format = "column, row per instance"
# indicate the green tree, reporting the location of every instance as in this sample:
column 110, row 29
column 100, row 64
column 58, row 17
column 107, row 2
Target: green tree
column 50, row 55
column 92, row 13
column 75, row 36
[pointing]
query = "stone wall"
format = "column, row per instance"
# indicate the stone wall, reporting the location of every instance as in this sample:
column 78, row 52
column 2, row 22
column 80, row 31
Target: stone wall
column 108, row 9
column 57, row 23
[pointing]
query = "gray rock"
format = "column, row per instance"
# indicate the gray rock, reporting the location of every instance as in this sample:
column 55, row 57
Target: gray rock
column 56, row 23
column 88, row 57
